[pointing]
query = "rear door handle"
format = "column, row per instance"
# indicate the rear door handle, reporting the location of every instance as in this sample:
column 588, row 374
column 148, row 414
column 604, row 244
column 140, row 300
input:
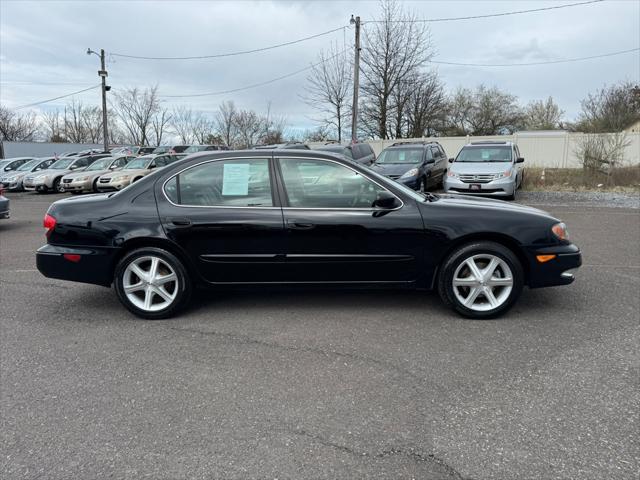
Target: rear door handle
column 297, row 225
column 180, row 222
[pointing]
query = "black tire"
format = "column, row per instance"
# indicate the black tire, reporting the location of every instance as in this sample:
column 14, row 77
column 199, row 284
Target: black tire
column 95, row 186
column 423, row 185
column 458, row 256
column 56, row 187
column 184, row 287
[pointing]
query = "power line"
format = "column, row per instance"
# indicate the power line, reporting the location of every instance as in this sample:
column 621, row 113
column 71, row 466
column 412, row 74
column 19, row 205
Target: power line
column 56, row 98
column 473, row 17
column 231, row 54
column 611, row 54
column 256, row 85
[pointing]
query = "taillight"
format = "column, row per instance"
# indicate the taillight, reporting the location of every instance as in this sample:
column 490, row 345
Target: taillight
column 49, row 224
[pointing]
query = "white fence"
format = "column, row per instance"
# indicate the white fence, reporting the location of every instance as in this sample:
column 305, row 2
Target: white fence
column 540, row 149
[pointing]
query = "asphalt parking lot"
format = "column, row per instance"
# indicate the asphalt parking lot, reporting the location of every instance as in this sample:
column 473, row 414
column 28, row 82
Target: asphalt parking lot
column 323, row 384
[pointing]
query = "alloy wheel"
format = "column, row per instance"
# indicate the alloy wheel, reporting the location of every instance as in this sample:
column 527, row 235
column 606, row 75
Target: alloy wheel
column 482, row 282
column 150, row 283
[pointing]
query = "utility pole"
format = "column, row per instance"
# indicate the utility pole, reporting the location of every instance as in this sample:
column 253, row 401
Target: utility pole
column 356, row 81
column 102, row 73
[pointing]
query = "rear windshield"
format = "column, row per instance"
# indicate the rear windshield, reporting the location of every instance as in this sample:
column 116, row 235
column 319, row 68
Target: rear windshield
column 484, row 154
column 401, row 155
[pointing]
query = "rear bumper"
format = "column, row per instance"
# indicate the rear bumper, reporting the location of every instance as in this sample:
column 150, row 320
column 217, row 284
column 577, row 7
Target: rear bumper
column 558, row 271
column 95, row 265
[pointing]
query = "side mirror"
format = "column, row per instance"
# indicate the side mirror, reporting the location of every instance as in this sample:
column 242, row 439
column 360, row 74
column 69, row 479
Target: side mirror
column 429, row 161
column 73, row 167
column 153, row 165
column 520, row 160
column 386, row 201
column 451, row 160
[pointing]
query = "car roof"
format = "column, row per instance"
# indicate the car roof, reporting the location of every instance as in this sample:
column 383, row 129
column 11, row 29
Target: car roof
column 412, row 144
column 485, row 143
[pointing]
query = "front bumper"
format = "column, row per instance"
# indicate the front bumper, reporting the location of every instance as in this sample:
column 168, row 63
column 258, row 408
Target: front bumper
column 78, row 186
column 503, row 187
column 111, row 186
column 554, row 272
column 95, row 265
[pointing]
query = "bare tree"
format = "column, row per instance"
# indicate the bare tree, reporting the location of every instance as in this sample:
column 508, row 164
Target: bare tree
column 17, row 127
column 136, row 109
column 602, row 152
column 249, row 127
column 159, row 124
column 202, row 128
column 53, row 124
column 329, row 89
column 182, row 123
column 395, row 48
column 224, row 122
column 426, row 109
column 485, row 111
column 610, row 109
column 543, row 115
column 320, row 134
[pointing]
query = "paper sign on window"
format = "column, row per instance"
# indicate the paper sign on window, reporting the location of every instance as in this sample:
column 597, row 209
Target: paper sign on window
column 401, row 155
column 485, row 154
column 235, row 179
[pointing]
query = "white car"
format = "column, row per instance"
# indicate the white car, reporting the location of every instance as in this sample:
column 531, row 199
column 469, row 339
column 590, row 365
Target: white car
column 486, row 168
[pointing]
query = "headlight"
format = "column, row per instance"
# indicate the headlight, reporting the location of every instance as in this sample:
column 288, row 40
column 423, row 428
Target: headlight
column 82, row 179
column 503, row 174
column 41, row 178
column 452, row 174
column 120, row 178
column 411, row 173
column 560, row 231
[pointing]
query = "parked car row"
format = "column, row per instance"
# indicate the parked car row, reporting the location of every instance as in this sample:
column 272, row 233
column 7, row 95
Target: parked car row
column 491, row 168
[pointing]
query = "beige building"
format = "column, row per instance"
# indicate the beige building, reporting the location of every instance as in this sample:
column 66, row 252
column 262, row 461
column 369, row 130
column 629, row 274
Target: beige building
column 633, row 128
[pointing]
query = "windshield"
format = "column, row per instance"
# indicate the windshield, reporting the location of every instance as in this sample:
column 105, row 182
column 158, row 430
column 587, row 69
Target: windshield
column 101, row 164
column 484, row 154
column 29, row 165
column 140, row 162
column 401, row 155
column 62, row 163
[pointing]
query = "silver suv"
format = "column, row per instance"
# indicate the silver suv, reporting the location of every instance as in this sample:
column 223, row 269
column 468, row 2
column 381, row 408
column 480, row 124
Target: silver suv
column 489, row 168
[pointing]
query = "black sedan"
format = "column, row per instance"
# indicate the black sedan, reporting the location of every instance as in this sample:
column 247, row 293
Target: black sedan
column 286, row 217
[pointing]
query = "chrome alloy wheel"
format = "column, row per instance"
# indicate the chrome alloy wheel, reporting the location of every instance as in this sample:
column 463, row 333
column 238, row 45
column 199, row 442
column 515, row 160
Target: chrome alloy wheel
column 150, row 283
column 482, row 282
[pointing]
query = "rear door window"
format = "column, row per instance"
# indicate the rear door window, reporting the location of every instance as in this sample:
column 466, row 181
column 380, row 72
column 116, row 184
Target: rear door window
column 229, row 183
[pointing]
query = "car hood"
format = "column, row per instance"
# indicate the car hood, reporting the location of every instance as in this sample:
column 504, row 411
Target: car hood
column 492, row 204
column 131, row 171
column 55, row 173
column 479, row 167
column 393, row 168
column 14, row 175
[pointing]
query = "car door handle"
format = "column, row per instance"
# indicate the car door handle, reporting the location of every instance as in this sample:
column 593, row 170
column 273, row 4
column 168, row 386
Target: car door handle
column 297, row 225
column 180, row 222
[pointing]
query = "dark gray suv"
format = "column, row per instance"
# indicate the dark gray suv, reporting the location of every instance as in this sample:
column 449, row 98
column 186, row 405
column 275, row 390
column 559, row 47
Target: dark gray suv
column 358, row 152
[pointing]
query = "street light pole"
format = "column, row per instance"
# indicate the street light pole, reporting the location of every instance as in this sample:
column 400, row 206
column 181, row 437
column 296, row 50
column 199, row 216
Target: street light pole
column 102, row 73
column 356, row 81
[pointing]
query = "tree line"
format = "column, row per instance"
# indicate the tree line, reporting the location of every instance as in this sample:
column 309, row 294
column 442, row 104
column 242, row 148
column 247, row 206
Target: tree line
column 401, row 97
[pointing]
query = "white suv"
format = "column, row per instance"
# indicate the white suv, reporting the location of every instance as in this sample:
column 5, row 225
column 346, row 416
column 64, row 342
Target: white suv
column 489, row 168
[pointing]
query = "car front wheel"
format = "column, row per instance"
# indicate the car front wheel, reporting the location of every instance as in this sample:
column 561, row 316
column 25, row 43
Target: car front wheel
column 152, row 283
column 481, row 280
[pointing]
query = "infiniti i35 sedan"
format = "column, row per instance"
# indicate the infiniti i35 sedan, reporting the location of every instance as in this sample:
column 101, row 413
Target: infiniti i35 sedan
column 299, row 217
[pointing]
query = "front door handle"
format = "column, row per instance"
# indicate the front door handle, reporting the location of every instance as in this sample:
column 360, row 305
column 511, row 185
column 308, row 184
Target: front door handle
column 298, row 225
column 180, row 222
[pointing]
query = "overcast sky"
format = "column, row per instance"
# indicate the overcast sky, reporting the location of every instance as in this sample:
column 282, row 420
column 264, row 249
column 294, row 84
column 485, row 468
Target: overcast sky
column 43, row 44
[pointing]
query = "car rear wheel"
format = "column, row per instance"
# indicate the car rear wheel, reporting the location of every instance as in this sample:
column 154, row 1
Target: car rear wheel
column 481, row 280
column 95, row 186
column 152, row 283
